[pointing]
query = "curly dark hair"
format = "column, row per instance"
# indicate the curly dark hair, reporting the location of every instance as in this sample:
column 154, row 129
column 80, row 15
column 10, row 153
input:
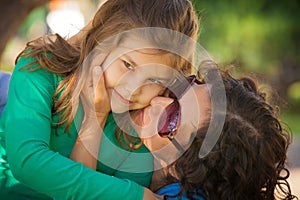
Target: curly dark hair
column 249, row 159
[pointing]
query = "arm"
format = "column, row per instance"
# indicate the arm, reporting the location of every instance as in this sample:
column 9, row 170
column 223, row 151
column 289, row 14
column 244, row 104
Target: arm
column 93, row 125
column 87, row 144
column 28, row 126
column 86, row 147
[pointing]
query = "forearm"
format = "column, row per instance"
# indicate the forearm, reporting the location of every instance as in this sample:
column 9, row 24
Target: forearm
column 85, row 154
column 36, row 166
column 96, row 106
column 87, row 145
column 30, row 155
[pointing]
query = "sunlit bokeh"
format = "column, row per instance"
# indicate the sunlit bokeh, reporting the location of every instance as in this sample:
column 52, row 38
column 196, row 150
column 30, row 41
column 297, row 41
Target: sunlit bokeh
column 65, row 18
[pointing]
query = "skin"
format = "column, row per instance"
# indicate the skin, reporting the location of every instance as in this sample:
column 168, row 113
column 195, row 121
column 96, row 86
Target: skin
column 145, row 122
column 134, row 77
column 120, row 81
column 133, row 73
column 192, row 117
column 124, row 79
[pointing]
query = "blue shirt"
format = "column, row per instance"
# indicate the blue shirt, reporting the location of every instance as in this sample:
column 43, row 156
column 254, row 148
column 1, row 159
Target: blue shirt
column 4, row 83
column 172, row 190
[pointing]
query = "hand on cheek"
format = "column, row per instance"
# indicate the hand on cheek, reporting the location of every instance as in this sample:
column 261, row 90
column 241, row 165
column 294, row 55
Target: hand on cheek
column 101, row 97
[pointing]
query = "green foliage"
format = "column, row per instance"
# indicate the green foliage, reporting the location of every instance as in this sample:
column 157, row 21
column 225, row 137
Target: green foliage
column 294, row 92
column 254, row 34
column 38, row 15
column 293, row 113
column 292, row 121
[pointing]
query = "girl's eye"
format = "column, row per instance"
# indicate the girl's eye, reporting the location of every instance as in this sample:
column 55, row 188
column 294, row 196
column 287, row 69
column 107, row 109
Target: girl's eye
column 128, row 65
column 155, row 81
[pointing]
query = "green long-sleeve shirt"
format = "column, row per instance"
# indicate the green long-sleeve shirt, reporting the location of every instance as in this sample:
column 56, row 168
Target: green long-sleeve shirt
column 38, row 157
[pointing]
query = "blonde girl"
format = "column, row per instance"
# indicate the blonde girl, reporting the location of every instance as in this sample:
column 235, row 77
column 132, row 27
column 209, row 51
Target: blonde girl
column 50, row 88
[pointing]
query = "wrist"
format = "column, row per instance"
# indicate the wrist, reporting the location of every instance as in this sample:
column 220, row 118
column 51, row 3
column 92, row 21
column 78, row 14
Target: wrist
column 101, row 114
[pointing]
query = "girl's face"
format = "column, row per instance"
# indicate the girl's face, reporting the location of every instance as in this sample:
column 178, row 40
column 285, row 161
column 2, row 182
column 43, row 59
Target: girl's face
column 133, row 78
column 195, row 109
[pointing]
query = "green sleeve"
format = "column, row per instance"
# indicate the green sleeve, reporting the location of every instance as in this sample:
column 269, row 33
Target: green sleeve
column 27, row 129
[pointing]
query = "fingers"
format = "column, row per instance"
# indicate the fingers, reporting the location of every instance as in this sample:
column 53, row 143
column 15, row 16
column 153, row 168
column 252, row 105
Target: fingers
column 101, row 97
column 95, row 74
column 98, row 59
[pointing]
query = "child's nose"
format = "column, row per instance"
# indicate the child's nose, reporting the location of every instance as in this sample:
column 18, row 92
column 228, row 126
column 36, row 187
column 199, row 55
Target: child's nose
column 134, row 82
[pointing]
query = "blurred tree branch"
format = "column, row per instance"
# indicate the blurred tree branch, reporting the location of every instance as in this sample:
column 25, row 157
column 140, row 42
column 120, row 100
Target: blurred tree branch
column 12, row 14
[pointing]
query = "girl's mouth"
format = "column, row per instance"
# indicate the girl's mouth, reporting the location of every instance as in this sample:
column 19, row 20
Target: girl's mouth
column 121, row 98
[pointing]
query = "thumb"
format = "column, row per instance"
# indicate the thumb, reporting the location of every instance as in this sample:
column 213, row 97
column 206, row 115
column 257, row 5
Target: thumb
column 101, row 97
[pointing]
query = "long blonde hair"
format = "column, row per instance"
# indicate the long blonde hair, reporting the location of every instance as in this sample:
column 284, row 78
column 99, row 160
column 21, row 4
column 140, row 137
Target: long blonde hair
column 113, row 17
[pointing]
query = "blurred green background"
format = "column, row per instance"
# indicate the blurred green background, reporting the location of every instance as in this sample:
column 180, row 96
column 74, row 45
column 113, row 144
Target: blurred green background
column 260, row 38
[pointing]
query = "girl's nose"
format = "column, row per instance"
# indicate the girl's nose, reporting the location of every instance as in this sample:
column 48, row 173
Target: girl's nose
column 132, row 82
